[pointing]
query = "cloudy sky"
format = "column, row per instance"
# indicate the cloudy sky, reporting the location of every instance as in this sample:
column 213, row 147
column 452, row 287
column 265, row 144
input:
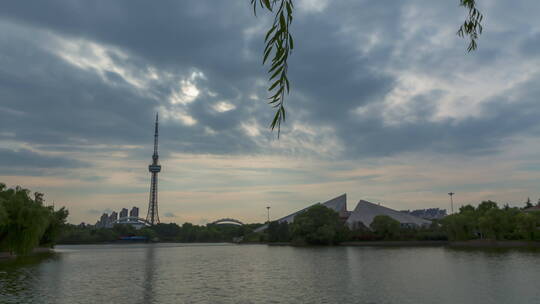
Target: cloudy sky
column 386, row 105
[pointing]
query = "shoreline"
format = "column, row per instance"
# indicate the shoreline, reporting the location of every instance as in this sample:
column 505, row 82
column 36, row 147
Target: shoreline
column 4, row 255
column 395, row 243
column 487, row 244
column 494, row 244
column 451, row 244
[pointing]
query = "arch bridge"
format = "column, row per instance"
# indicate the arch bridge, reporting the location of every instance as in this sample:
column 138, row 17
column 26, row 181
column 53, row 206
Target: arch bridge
column 227, row 221
column 132, row 220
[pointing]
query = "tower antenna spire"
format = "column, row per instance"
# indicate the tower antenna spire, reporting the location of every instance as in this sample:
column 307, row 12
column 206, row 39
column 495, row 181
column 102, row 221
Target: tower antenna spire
column 156, row 134
column 153, row 217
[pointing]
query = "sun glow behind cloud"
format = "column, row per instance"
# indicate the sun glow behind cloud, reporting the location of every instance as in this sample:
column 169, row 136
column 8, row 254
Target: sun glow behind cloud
column 223, row 106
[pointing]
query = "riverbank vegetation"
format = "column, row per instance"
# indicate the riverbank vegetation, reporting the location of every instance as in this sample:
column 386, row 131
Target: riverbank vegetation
column 170, row 232
column 326, row 228
column 319, row 225
column 489, row 221
column 25, row 222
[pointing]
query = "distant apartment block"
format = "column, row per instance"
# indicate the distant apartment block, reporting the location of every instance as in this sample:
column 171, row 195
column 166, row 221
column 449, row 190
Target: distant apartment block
column 134, row 212
column 123, row 213
column 428, row 214
column 108, row 221
column 113, row 217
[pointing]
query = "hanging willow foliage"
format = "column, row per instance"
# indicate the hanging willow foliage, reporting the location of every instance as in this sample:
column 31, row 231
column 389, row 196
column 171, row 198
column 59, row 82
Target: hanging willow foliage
column 472, row 26
column 279, row 45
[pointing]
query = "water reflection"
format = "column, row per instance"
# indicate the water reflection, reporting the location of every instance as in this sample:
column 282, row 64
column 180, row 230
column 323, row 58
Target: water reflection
column 173, row 273
column 494, row 251
column 149, row 275
column 20, row 276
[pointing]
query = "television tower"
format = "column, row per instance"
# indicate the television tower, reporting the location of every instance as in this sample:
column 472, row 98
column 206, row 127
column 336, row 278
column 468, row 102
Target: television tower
column 451, row 201
column 153, row 217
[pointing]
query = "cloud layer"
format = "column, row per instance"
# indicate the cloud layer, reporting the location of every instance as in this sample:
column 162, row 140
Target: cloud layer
column 372, row 82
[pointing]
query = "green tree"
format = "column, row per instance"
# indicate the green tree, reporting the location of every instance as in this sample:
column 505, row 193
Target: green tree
column 148, row 232
column 26, row 222
column 528, row 203
column 56, row 224
column 278, row 232
column 318, row 225
column 279, row 45
column 491, row 222
column 168, row 232
column 3, row 212
column 460, row 227
column 486, row 206
column 385, row 226
column 3, row 215
column 124, row 230
column 494, row 223
column 526, row 225
column 466, row 208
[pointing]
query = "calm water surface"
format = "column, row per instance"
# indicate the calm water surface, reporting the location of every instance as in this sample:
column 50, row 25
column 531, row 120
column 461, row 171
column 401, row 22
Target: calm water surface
column 222, row 273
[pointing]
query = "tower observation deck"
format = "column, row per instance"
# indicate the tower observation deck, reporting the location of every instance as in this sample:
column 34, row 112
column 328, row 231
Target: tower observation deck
column 153, row 217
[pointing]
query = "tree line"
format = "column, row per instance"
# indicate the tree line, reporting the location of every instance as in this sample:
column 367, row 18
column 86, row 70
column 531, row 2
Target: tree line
column 489, row 221
column 164, row 232
column 25, row 222
column 320, row 225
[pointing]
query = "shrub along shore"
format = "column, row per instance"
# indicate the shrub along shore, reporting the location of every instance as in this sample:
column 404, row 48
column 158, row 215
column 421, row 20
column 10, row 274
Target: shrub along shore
column 25, row 223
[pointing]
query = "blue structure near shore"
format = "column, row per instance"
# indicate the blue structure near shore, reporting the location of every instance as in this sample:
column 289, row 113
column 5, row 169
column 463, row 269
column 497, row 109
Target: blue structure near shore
column 134, row 238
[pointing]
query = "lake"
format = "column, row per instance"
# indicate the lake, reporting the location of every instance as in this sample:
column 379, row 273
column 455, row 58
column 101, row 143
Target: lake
column 225, row 273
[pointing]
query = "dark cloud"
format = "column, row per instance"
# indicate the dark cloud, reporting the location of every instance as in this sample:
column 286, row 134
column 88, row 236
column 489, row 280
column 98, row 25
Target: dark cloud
column 531, row 45
column 351, row 55
column 28, row 158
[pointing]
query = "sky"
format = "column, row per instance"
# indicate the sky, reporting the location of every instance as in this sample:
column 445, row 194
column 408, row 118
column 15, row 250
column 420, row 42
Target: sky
column 386, row 105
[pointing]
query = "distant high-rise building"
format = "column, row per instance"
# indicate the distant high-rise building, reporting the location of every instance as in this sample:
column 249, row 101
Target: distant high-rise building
column 113, row 217
column 103, row 221
column 134, row 212
column 108, row 221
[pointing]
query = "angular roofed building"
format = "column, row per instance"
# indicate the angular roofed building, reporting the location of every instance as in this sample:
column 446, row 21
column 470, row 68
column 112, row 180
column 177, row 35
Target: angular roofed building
column 365, row 212
column 338, row 204
column 362, row 215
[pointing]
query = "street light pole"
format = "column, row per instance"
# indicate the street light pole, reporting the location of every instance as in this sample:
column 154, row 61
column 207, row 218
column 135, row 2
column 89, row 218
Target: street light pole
column 451, row 201
column 268, row 213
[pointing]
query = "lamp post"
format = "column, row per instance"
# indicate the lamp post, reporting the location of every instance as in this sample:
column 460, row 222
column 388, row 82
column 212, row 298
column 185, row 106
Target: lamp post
column 268, row 213
column 451, row 201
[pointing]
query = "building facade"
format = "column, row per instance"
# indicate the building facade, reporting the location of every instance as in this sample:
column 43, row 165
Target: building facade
column 362, row 215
